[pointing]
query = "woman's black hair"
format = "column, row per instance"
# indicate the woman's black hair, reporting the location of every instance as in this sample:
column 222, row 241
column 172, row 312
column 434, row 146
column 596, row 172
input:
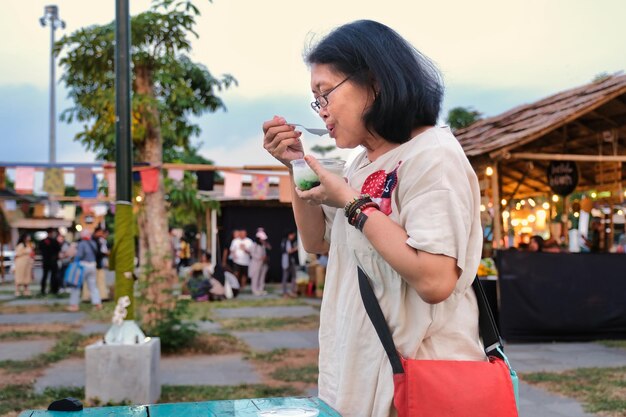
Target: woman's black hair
column 540, row 242
column 407, row 85
column 22, row 238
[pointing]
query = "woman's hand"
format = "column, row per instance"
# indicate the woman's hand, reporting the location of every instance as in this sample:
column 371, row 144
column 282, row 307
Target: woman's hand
column 333, row 190
column 282, row 141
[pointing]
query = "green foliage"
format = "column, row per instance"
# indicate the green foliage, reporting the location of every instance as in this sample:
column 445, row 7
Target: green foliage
column 19, row 397
column 271, row 323
column 270, row 357
column 323, row 150
column 185, row 205
column 306, row 373
column 192, row 393
column 178, row 87
column 461, row 117
column 67, row 345
column 172, row 326
column 601, row 390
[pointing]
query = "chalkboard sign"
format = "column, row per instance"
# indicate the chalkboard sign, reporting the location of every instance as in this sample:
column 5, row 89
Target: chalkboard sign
column 562, row 177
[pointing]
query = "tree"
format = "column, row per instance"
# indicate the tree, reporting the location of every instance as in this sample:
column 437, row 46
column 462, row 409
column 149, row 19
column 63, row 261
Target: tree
column 462, row 117
column 323, row 150
column 167, row 88
column 185, row 207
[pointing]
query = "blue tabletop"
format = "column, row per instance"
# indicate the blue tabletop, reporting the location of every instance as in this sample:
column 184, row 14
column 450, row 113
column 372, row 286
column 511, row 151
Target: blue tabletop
column 224, row 408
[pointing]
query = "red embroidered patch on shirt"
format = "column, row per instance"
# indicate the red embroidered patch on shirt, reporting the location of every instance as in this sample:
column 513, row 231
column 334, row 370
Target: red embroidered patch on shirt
column 379, row 185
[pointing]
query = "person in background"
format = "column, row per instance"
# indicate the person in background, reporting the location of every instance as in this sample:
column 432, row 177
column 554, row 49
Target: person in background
column 259, row 263
column 289, row 262
column 49, row 249
column 23, row 265
column 551, row 246
column 621, row 244
column 65, row 257
column 227, row 259
column 184, row 254
column 100, row 238
column 86, row 254
column 406, row 210
column 240, row 252
column 536, row 244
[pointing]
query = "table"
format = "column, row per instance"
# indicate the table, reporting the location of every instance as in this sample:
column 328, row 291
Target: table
column 222, row 408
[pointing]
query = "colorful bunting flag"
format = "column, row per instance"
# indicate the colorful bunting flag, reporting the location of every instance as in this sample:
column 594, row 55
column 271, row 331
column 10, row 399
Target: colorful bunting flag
column 206, row 180
column 232, row 185
column 83, row 179
column 175, row 174
column 150, row 180
column 53, row 182
column 93, row 191
column 24, row 179
column 260, row 186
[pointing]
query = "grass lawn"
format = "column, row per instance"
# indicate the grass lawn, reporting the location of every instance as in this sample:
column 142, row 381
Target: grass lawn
column 600, row 390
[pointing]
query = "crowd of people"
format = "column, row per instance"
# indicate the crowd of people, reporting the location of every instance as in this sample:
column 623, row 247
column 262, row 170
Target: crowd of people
column 244, row 261
column 90, row 251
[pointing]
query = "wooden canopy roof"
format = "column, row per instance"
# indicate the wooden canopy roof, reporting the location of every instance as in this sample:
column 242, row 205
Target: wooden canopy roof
column 586, row 124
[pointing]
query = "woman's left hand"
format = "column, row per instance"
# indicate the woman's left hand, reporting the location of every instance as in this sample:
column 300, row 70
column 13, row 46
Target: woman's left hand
column 333, row 190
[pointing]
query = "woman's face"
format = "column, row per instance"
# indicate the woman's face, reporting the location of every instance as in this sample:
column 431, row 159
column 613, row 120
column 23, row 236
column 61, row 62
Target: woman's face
column 346, row 106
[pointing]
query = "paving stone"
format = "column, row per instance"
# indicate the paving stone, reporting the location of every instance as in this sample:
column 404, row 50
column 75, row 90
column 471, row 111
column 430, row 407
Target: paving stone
column 22, row 350
column 267, row 341
column 208, row 326
column 535, row 402
column 94, row 328
column 208, row 370
column 65, row 373
column 554, row 357
column 188, row 370
column 283, row 311
column 4, row 297
column 41, row 318
column 37, row 301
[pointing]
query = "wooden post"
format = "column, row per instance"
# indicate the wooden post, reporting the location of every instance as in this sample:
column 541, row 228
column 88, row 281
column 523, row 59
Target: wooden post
column 497, row 213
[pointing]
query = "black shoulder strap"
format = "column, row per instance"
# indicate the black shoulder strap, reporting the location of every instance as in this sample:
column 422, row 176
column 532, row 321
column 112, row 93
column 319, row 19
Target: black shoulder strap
column 486, row 322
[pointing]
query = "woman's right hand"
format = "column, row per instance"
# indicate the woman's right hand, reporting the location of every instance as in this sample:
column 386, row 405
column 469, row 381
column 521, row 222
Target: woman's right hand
column 282, row 141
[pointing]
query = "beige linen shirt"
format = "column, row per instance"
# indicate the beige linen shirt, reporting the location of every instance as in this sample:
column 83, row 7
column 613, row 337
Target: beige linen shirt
column 435, row 197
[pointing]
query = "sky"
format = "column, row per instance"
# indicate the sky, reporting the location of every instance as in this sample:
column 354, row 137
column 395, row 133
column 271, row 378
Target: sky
column 493, row 55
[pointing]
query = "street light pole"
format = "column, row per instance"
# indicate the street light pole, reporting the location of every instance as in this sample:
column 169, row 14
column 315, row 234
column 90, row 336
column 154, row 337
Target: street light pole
column 51, row 16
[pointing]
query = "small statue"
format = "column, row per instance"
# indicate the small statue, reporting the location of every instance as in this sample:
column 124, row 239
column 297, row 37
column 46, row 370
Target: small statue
column 123, row 332
column 119, row 314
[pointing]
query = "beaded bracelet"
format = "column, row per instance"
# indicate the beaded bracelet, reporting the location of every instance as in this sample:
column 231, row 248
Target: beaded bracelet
column 350, row 204
column 360, row 209
column 360, row 203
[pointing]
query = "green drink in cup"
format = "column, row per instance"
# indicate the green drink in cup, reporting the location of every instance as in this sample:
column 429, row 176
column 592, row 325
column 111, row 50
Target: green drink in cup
column 304, row 176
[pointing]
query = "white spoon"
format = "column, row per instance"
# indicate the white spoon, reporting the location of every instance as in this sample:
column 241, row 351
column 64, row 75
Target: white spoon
column 318, row 132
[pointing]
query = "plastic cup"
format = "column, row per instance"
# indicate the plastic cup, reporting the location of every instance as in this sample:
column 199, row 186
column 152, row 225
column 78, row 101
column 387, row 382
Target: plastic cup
column 304, row 176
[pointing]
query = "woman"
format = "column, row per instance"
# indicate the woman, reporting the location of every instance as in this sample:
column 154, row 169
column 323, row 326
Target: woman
column 86, row 254
column 418, row 235
column 289, row 262
column 258, row 263
column 23, row 265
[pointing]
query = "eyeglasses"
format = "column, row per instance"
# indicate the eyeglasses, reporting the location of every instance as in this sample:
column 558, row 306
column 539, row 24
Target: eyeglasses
column 321, row 101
